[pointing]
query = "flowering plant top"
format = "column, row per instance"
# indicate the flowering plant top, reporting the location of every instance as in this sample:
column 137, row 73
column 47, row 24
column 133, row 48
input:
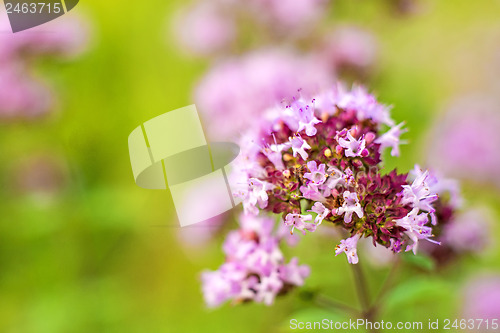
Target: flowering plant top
column 315, row 162
column 319, row 161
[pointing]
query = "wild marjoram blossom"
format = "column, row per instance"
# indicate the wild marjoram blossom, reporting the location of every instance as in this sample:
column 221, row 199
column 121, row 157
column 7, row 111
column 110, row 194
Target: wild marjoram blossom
column 255, row 268
column 317, row 162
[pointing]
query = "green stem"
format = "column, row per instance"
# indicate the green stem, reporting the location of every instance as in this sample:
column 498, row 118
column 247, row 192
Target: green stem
column 386, row 286
column 363, row 294
column 328, row 303
column 361, row 287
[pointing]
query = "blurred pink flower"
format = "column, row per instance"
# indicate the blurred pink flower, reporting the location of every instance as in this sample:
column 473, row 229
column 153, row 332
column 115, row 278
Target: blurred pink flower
column 469, row 231
column 204, row 29
column 407, row 7
column 235, row 92
column 255, row 268
column 287, row 14
column 482, row 298
column 42, row 176
column 210, row 26
column 66, row 36
column 349, row 46
column 21, row 93
column 465, row 141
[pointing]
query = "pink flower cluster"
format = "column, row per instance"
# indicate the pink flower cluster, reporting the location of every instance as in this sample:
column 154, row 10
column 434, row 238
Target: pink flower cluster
column 255, row 268
column 208, row 27
column 22, row 94
column 204, row 29
column 317, row 161
column 257, row 49
column 235, row 92
column 460, row 230
column 348, row 47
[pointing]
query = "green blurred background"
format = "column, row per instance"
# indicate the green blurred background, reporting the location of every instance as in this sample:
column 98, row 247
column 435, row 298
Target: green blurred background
column 96, row 256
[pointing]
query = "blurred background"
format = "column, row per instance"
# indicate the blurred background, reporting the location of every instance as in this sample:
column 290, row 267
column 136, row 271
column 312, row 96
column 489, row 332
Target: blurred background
column 83, row 249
